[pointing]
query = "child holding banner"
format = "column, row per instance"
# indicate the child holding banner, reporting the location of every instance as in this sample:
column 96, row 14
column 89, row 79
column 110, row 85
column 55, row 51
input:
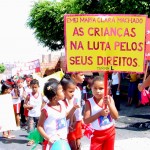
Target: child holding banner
column 6, row 89
column 52, row 124
column 101, row 118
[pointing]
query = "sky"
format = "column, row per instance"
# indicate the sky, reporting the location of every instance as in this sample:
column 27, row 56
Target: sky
column 17, row 41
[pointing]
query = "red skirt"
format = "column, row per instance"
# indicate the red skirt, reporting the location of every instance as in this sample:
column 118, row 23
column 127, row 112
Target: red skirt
column 17, row 108
column 103, row 139
column 46, row 145
column 77, row 133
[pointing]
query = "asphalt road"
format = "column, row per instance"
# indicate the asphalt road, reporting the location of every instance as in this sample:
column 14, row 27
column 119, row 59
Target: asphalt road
column 132, row 132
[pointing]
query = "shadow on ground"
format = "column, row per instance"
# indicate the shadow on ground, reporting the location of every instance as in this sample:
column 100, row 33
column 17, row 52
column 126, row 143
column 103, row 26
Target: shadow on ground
column 6, row 141
column 139, row 126
column 140, row 116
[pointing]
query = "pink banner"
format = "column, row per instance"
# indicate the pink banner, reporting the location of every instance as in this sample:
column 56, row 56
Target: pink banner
column 147, row 54
column 27, row 68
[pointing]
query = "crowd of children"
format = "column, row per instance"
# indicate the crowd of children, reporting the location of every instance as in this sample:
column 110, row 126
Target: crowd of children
column 61, row 111
column 16, row 89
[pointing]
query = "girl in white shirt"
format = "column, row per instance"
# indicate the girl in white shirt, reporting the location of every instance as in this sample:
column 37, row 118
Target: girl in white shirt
column 69, row 89
column 6, row 89
column 76, row 135
column 101, row 118
column 16, row 104
column 52, row 124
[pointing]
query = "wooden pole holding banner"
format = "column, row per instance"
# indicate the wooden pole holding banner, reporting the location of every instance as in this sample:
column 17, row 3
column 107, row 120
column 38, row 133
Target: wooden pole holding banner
column 105, row 85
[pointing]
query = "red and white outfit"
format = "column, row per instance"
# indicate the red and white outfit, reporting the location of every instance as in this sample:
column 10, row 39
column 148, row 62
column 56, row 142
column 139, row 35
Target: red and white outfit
column 21, row 91
column 36, row 103
column 104, row 131
column 55, row 124
column 77, row 133
column 27, row 91
column 16, row 102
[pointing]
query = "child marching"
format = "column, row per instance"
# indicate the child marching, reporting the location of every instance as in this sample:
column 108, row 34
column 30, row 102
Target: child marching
column 69, row 88
column 33, row 103
column 76, row 135
column 52, row 124
column 101, row 118
column 6, row 89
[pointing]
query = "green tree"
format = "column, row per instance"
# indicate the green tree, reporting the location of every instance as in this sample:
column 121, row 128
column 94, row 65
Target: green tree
column 2, row 68
column 46, row 18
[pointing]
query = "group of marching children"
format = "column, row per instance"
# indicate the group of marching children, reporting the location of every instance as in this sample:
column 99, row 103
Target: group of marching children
column 18, row 88
column 28, row 101
column 58, row 114
column 61, row 117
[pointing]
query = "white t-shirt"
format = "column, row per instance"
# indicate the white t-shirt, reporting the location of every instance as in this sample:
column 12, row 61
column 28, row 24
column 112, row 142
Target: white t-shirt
column 102, row 122
column 36, row 103
column 15, row 100
column 77, row 100
column 21, row 90
column 27, row 90
column 45, row 99
column 69, row 105
column 115, row 78
column 55, row 124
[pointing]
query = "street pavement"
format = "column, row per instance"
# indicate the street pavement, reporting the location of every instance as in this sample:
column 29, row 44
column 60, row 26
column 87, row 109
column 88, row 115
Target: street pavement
column 132, row 132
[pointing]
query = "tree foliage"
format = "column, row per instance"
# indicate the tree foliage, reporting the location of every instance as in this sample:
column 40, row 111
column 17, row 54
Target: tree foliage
column 46, row 18
column 2, row 68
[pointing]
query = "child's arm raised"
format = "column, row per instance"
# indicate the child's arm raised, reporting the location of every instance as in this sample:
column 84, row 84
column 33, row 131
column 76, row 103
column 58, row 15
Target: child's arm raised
column 71, row 112
column 108, row 100
column 87, row 114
